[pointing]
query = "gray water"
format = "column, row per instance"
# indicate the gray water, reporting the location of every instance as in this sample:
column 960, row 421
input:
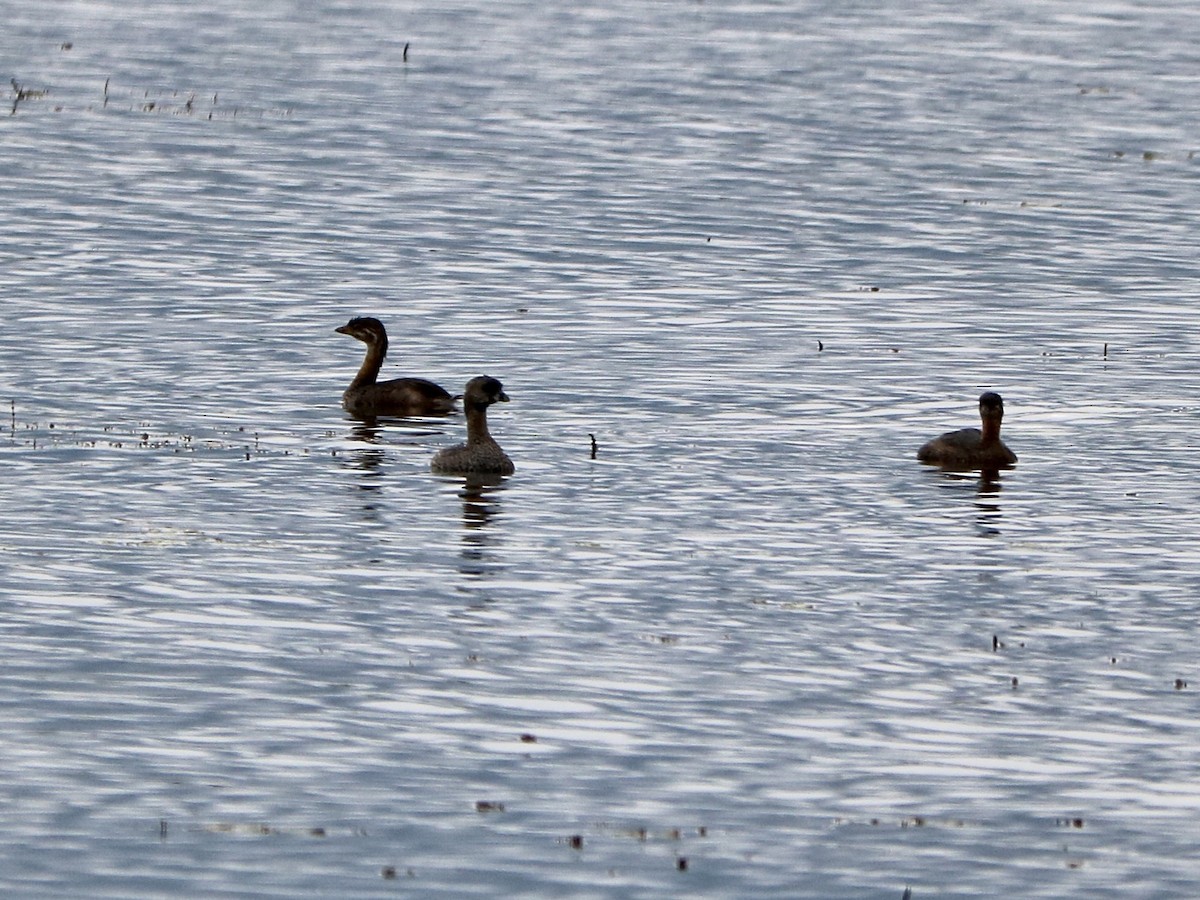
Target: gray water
column 762, row 251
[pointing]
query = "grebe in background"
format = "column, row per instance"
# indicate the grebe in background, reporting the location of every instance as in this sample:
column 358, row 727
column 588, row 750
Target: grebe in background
column 367, row 398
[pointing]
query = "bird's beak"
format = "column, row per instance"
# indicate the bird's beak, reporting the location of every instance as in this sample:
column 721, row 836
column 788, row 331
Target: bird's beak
column 502, row 397
column 342, row 329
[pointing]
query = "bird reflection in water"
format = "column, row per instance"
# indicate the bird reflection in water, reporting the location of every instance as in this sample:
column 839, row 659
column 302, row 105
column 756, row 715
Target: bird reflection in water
column 480, row 497
column 987, row 495
column 371, row 431
column 987, row 501
column 366, row 458
column 368, row 431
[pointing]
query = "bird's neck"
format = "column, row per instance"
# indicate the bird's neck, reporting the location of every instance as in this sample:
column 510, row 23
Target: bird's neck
column 477, row 427
column 991, row 431
column 372, row 362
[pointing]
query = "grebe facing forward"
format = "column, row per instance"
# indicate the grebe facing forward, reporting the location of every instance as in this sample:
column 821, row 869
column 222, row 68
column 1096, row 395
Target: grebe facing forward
column 480, row 455
column 970, row 448
column 367, row 398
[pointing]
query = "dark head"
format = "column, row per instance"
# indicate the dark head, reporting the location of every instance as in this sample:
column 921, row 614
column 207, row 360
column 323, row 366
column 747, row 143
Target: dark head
column 991, row 406
column 367, row 329
column 482, row 391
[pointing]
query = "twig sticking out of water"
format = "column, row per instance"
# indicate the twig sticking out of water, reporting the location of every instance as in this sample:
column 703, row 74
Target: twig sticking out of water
column 595, row 446
column 26, row 93
column 20, row 93
column 820, row 346
column 1106, row 350
column 404, row 56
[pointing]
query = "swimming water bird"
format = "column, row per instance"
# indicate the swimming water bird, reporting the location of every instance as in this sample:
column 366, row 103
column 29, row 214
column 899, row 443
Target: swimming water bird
column 480, row 455
column 970, row 448
column 367, row 398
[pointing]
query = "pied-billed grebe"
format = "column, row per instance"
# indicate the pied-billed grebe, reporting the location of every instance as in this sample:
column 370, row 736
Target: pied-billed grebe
column 367, row 398
column 970, row 448
column 480, row 455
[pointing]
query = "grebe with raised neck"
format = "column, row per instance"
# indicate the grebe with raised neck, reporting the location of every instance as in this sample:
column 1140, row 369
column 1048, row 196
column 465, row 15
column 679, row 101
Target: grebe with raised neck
column 972, row 448
column 366, row 397
column 480, row 455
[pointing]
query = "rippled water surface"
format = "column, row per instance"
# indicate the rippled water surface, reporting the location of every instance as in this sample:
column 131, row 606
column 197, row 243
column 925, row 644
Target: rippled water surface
column 761, row 251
